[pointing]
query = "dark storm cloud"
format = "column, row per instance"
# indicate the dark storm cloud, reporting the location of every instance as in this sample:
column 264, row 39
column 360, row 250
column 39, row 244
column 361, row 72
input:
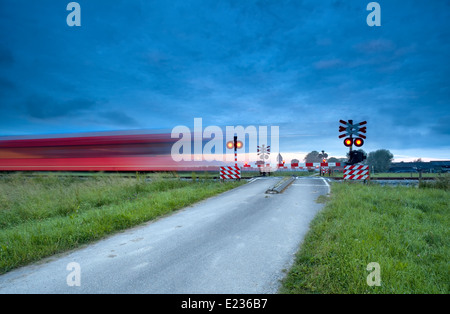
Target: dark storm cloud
column 6, row 57
column 46, row 108
column 302, row 65
column 6, row 85
column 442, row 126
column 118, row 118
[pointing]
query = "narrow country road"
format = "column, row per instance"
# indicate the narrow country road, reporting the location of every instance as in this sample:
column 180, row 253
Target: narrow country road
column 237, row 242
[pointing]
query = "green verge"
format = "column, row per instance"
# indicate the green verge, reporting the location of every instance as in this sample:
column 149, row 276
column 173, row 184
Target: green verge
column 405, row 230
column 43, row 216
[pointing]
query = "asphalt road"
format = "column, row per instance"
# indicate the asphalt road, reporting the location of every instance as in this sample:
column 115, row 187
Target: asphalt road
column 238, row 242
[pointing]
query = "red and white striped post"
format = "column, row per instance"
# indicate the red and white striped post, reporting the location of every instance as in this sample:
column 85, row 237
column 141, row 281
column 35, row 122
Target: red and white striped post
column 236, row 171
column 356, row 172
column 230, row 173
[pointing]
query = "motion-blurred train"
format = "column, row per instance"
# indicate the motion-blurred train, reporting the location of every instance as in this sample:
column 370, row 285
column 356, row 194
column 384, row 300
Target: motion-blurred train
column 104, row 152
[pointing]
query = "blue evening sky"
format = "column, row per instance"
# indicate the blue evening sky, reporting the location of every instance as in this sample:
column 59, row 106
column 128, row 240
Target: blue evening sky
column 301, row 65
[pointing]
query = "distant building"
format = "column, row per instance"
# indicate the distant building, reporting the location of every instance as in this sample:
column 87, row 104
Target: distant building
column 443, row 165
column 432, row 166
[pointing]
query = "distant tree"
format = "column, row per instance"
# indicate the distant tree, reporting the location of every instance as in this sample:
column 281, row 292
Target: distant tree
column 418, row 160
column 380, row 160
column 295, row 161
column 313, row 157
column 334, row 159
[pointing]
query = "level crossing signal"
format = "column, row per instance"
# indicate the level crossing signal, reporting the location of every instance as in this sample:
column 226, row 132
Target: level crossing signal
column 263, row 152
column 353, row 133
column 235, row 144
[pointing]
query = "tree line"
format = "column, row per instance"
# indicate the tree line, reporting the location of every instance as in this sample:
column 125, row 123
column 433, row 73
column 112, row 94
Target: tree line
column 379, row 160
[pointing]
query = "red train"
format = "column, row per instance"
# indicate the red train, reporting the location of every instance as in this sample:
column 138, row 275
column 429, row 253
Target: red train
column 111, row 152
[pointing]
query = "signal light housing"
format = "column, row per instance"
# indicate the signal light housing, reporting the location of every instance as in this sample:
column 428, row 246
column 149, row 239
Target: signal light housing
column 235, row 144
column 348, row 142
column 359, row 142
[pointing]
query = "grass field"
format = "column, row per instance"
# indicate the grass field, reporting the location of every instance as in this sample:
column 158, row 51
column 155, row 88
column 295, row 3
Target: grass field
column 200, row 175
column 44, row 215
column 405, row 230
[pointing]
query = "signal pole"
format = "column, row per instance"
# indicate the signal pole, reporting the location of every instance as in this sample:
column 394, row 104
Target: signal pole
column 236, row 145
column 323, row 158
column 235, row 151
column 351, row 137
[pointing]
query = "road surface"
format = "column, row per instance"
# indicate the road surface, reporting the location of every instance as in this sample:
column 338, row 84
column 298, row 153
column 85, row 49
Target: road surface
column 237, row 242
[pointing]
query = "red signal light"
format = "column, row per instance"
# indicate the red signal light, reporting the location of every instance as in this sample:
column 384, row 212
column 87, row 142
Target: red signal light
column 359, row 142
column 239, row 145
column 348, row 142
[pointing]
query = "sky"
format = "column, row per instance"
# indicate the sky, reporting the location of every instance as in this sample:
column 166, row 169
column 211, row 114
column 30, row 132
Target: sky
column 302, row 65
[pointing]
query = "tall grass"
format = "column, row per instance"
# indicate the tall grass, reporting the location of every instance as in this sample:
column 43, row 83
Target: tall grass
column 50, row 214
column 441, row 182
column 404, row 230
